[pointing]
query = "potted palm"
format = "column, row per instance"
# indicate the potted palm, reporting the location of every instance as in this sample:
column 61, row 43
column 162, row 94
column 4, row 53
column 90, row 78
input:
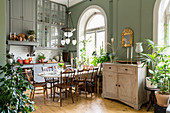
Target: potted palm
column 158, row 63
column 152, row 60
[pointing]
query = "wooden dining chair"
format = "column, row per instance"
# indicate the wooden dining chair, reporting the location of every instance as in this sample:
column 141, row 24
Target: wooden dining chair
column 35, row 84
column 51, row 81
column 81, row 81
column 65, row 85
column 91, row 83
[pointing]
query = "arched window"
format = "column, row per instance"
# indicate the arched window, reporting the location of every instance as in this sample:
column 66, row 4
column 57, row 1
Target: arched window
column 95, row 30
column 167, row 26
column 92, row 24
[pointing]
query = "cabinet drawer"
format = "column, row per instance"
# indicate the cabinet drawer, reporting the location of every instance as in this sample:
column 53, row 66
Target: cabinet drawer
column 110, row 68
column 127, row 70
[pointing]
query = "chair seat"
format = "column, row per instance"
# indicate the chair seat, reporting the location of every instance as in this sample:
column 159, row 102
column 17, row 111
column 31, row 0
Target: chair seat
column 62, row 86
column 89, row 80
column 52, row 81
column 39, row 84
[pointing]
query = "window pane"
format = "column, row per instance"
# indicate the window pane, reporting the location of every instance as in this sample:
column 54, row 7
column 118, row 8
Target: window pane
column 100, row 41
column 96, row 21
column 90, row 47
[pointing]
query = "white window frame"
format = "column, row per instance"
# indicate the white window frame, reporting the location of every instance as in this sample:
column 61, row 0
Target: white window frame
column 82, row 17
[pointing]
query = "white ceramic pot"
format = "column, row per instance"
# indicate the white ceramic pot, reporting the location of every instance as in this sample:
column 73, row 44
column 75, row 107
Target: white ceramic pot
column 10, row 61
column 149, row 84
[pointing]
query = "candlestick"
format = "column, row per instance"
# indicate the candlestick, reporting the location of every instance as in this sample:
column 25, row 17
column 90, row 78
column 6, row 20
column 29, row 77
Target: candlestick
column 131, row 52
column 127, row 53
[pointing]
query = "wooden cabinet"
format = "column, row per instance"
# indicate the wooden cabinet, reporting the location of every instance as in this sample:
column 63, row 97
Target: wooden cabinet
column 21, row 16
column 125, row 83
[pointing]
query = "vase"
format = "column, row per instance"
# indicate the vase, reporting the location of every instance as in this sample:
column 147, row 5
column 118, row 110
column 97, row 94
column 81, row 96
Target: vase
column 139, row 47
column 10, row 61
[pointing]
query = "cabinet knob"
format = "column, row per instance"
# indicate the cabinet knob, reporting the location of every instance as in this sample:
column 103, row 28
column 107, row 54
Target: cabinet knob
column 110, row 67
column 116, row 84
column 119, row 85
column 126, row 69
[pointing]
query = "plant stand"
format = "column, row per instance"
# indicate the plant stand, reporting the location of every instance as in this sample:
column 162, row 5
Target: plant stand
column 152, row 98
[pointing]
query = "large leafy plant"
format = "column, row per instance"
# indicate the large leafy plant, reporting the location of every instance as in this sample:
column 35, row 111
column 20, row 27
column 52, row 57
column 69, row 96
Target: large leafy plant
column 13, row 86
column 103, row 57
column 158, row 63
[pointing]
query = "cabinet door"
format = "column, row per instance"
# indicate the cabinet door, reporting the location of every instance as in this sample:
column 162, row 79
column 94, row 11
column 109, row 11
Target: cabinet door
column 28, row 10
column 16, row 9
column 62, row 15
column 47, row 35
column 127, row 87
column 16, row 26
column 40, row 34
column 54, row 36
column 109, row 84
column 27, row 25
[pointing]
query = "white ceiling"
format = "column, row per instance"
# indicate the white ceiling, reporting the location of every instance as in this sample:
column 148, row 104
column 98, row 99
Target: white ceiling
column 72, row 2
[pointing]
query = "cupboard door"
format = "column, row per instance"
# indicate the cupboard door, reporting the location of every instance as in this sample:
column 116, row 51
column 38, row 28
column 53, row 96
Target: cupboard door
column 16, row 26
column 47, row 35
column 109, row 84
column 27, row 25
column 62, row 15
column 54, row 36
column 127, row 87
column 28, row 10
column 16, row 9
column 40, row 34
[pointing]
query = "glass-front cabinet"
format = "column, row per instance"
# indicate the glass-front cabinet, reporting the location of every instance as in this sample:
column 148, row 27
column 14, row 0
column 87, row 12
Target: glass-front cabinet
column 51, row 17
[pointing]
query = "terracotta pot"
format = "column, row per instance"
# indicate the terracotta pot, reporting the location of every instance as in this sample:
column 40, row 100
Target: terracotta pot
column 162, row 99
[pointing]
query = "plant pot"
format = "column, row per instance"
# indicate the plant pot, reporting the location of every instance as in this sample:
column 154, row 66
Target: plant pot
column 149, row 84
column 42, row 60
column 10, row 61
column 162, row 99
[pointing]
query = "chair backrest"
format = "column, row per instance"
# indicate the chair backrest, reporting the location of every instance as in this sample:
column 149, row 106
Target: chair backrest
column 47, row 68
column 66, row 78
column 29, row 75
column 94, row 73
column 82, row 74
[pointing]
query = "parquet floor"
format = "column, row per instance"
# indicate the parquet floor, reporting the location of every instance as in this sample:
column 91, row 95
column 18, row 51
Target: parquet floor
column 97, row 104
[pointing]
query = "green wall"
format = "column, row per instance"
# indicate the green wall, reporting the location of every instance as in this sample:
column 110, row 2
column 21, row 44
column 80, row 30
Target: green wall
column 2, row 32
column 121, row 14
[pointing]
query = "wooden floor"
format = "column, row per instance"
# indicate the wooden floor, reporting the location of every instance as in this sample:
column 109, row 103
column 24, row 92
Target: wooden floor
column 90, row 105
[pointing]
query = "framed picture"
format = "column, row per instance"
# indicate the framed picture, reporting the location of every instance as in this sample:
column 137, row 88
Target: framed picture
column 127, row 38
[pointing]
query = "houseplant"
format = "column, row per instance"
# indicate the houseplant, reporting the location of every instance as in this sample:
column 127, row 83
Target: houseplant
column 163, row 78
column 9, row 58
column 83, row 58
column 41, row 57
column 158, row 63
column 12, row 90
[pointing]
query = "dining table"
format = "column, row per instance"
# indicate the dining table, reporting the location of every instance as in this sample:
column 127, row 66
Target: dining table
column 57, row 74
